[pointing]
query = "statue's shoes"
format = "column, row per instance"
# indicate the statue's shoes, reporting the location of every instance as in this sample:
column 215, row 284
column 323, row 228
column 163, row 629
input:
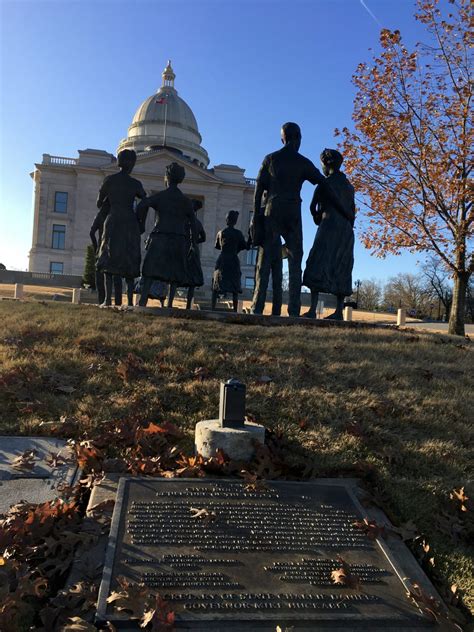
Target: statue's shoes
column 334, row 316
column 308, row 315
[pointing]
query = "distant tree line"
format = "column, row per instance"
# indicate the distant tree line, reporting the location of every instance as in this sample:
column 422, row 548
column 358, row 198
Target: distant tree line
column 428, row 294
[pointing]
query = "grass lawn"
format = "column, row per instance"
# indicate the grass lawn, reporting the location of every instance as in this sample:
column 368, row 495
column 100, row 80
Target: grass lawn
column 391, row 407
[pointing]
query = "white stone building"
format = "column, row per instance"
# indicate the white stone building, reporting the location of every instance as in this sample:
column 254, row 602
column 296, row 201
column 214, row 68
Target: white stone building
column 163, row 130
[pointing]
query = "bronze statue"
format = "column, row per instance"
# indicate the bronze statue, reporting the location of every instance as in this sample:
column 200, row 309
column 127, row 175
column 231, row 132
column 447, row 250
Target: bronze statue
column 98, row 227
column 226, row 280
column 196, row 277
column 166, row 257
column 282, row 175
column 269, row 259
column 119, row 252
column 330, row 261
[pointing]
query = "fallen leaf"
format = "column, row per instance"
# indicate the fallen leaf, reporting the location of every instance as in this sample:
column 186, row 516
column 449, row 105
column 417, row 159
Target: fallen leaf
column 164, row 428
column 25, row 461
column 55, row 459
column 76, row 624
column 201, row 373
column 252, row 482
column 432, row 608
column 344, row 577
column 132, row 598
column 203, row 514
column 371, row 528
column 461, row 497
column 130, row 368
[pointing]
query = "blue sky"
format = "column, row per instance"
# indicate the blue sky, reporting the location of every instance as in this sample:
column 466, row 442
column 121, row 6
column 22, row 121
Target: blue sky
column 73, row 74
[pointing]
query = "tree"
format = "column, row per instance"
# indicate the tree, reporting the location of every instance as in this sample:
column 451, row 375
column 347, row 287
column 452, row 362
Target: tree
column 438, row 283
column 409, row 154
column 89, row 268
column 408, row 291
column 370, row 295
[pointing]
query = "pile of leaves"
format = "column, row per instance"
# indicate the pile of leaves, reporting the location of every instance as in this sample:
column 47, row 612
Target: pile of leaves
column 38, row 543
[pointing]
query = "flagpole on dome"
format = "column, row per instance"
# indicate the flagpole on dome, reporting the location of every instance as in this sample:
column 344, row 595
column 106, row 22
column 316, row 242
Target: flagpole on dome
column 166, row 118
column 168, row 82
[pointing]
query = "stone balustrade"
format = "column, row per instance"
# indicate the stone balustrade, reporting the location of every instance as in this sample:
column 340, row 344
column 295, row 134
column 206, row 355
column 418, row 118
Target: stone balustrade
column 58, row 160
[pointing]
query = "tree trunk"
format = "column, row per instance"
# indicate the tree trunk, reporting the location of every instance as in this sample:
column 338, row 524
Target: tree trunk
column 458, row 306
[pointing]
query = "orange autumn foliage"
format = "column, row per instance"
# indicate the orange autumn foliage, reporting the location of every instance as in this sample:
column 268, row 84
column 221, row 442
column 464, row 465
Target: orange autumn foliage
column 410, row 153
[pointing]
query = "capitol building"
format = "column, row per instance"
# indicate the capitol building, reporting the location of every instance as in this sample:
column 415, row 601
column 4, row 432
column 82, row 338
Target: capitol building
column 163, row 130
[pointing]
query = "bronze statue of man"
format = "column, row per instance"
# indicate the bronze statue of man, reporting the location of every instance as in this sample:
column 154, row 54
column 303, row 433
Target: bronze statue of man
column 282, row 175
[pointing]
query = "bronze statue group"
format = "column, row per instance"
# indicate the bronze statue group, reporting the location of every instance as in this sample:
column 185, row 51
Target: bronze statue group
column 172, row 257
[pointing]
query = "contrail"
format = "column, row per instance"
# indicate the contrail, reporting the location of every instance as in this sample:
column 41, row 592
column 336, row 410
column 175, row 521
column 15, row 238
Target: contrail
column 372, row 15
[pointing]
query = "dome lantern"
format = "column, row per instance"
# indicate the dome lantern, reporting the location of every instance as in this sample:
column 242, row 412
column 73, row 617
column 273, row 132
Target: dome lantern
column 168, row 76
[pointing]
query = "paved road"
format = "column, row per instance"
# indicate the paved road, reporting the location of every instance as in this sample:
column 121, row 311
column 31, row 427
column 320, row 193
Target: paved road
column 439, row 327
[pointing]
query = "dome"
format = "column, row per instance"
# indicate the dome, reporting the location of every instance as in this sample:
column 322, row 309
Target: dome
column 166, row 120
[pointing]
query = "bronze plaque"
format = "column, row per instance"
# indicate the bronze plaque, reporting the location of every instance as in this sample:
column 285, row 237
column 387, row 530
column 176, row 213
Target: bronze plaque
column 231, row 558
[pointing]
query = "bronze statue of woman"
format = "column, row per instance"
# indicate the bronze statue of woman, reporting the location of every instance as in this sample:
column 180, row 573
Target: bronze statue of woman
column 120, row 252
column 331, row 259
column 166, row 257
column 196, row 277
column 230, row 241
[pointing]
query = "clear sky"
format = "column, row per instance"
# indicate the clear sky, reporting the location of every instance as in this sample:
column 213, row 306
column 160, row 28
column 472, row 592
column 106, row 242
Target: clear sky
column 74, row 72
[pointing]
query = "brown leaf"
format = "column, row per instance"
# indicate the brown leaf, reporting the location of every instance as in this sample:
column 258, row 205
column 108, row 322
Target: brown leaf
column 461, row 499
column 76, row 624
column 130, row 368
column 432, row 608
column 55, row 459
column 344, row 577
column 163, row 617
column 252, row 483
column 166, row 428
column 371, row 528
column 191, row 466
column 201, row 373
column 132, row 598
column 88, row 456
column 203, row 514
column 25, row 461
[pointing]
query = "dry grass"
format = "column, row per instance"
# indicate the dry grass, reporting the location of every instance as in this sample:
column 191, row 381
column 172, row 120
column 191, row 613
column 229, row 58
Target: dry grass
column 393, row 406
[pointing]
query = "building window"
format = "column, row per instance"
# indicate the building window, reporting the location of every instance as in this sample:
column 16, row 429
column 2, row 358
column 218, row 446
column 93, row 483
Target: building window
column 56, row 267
column 249, row 283
column 60, row 202
column 252, row 257
column 59, row 237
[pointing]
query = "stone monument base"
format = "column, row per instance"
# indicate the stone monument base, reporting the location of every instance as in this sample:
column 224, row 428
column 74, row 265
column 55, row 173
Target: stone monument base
column 237, row 443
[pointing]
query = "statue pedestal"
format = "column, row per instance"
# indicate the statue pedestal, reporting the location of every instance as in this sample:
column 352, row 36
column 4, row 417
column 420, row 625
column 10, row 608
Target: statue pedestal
column 236, row 443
